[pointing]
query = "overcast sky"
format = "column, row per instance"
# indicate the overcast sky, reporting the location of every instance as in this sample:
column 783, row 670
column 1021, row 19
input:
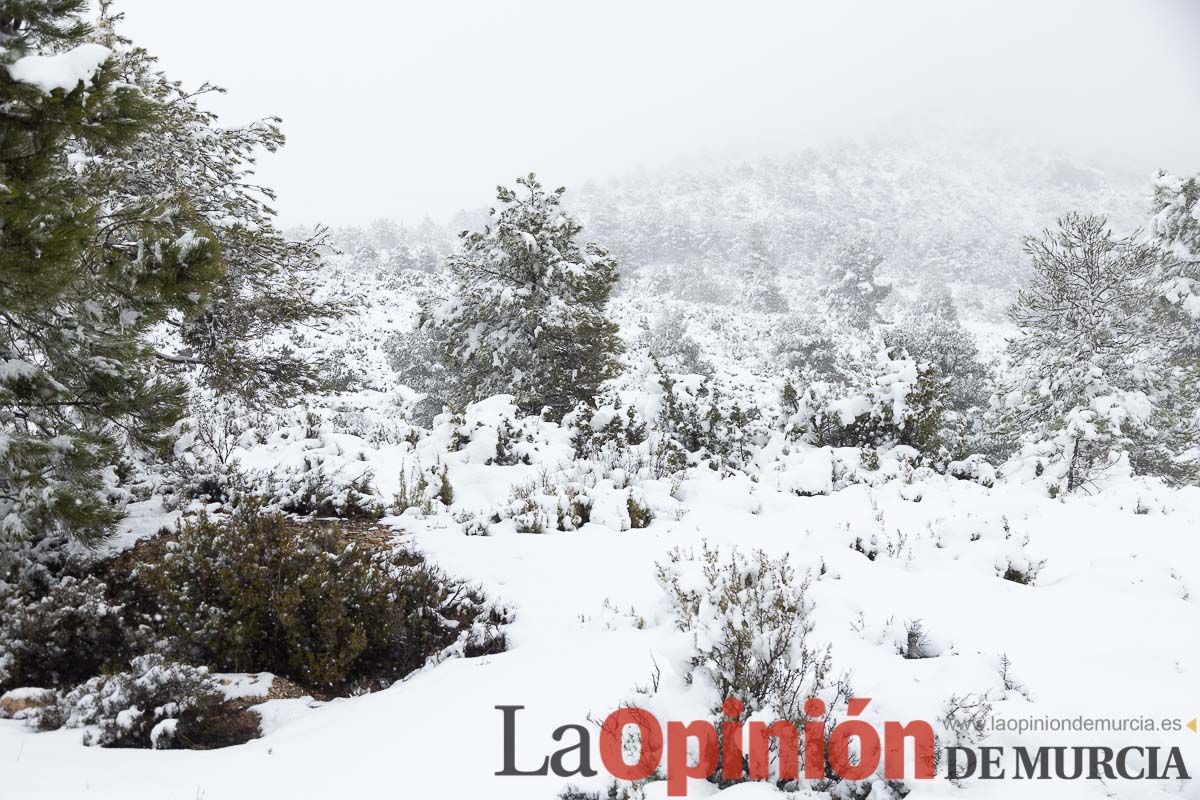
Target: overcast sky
column 402, row 109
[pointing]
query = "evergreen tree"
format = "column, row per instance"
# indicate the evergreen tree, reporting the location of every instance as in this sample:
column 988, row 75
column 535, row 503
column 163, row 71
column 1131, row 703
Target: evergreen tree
column 849, row 285
column 80, row 283
column 1092, row 378
column 526, row 312
column 760, row 274
column 267, row 284
column 1175, row 229
column 932, row 332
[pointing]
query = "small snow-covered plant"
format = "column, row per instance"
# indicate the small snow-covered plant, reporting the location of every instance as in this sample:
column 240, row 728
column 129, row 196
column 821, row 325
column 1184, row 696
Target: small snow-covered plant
column 317, row 492
column 471, row 524
column 1021, row 569
column 556, row 500
column 614, row 792
column 973, row 468
column 423, row 489
column 963, row 720
column 640, row 514
column 525, row 510
column 156, row 704
column 413, row 492
column 751, row 622
column 916, row 641
column 63, row 637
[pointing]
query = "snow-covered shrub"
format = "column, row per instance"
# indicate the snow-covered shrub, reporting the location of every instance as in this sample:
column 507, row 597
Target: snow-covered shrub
column 423, row 489
column 311, row 490
column 415, row 357
column 670, row 345
column 751, row 621
column 471, row 524
column 259, row 593
column 897, row 401
column 559, row 500
column 809, row 347
column 640, row 514
column 156, row 704
column 973, row 468
column 701, row 421
column 614, row 792
column 1019, row 567
column 932, row 334
column 494, row 432
column 63, row 637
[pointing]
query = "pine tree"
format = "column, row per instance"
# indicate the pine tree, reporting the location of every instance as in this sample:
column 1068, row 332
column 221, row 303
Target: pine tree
column 932, row 332
column 1175, row 229
column 526, row 312
column 77, row 385
column 850, row 286
column 267, row 283
column 760, row 274
column 1090, row 383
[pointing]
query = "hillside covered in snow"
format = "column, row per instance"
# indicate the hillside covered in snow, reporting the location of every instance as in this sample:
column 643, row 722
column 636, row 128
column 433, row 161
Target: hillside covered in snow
column 856, row 474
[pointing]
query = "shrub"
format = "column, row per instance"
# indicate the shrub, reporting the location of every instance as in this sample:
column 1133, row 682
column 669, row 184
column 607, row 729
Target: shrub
column 64, row 637
column 751, row 621
column 640, row 514
column 260, row 594
column 315, row 492
column 155, row 704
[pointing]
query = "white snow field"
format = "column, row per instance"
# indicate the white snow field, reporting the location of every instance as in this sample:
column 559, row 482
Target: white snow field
column 1108, row 628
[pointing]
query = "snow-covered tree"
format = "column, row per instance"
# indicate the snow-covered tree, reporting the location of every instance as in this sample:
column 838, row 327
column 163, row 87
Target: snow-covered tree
column 849, row 283
column 1092, row 379
column 526, row 313
column 184, row 152
column 80, row 282
column 1175, row 229
column 931, row 333
column 760, row 274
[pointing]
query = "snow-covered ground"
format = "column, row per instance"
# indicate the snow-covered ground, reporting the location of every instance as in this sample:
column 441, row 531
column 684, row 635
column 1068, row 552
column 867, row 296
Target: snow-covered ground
column 1109, row 626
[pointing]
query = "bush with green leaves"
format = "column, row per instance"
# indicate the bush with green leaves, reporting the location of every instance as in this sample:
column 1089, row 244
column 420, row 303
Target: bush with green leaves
column 258, row 593
column 65, row 636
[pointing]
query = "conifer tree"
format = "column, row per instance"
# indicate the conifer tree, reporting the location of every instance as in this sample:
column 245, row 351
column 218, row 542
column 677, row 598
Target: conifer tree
column 77, row 295
column 1175, row 229
column 1092, row 374
column 849, row 281
column 526, row 315
column 267, row 283
column 760, row 274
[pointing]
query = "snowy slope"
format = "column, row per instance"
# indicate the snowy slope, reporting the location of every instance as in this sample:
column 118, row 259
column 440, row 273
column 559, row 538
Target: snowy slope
column 1109, row 627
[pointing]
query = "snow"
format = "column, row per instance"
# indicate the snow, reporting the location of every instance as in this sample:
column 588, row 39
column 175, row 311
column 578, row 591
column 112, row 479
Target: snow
column 1107, row 630
column 61, row 70
column 1110, row 626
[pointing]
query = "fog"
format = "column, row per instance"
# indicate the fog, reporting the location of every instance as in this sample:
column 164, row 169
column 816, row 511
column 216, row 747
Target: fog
column 404, row 110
